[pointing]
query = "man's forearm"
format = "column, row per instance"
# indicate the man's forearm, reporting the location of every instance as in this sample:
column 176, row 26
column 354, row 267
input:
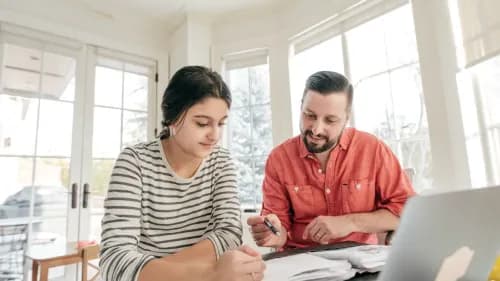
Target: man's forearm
column 377, row 221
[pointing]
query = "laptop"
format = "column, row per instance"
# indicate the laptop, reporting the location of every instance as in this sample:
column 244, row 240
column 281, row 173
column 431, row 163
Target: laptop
column 446, row 237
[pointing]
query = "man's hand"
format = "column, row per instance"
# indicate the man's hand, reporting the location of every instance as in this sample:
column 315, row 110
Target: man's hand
column 242, row 264
column 325, row 228
column 262, row 235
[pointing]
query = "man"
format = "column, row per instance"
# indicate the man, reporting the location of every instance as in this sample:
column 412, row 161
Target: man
column 330, row 183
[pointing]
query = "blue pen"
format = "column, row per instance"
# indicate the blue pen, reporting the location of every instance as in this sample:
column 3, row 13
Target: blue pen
column 271, row 227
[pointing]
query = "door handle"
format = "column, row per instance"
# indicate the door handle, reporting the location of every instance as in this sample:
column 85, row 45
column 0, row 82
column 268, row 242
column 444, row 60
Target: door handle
column 74, row 195
column 86, row 193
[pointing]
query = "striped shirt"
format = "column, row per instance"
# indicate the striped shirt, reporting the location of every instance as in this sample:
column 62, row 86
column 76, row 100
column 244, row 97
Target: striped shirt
column 150, row 212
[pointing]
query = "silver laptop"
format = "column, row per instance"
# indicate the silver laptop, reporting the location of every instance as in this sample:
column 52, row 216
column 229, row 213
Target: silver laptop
column 446, row 237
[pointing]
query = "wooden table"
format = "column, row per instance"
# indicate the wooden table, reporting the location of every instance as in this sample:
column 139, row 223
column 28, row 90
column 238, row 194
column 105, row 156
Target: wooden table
column 44, row 260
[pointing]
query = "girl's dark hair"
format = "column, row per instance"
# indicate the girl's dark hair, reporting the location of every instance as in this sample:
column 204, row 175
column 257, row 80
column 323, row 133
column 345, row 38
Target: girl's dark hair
column 188, row 86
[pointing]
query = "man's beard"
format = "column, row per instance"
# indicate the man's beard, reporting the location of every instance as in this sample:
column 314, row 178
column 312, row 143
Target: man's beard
column 313, row 148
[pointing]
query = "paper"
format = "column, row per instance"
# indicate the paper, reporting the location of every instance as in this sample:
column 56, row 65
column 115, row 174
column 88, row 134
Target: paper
column 307, row 267
column 365, row 258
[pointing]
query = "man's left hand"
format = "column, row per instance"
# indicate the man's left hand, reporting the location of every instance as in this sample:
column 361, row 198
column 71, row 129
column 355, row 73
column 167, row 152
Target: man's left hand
column 325, row 228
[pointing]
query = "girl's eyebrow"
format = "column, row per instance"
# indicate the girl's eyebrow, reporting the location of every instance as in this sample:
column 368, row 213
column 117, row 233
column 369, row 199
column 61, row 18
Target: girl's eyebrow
column 208, row 117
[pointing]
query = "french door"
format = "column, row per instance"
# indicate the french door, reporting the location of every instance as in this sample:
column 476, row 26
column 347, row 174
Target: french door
column 66, row 111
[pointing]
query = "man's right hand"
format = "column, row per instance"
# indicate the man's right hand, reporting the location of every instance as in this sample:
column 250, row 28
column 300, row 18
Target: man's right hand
column 262, row 235
column 242, row 264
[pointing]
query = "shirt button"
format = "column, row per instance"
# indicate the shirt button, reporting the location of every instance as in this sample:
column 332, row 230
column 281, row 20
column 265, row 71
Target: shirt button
column 320, row 171
column 327, row 191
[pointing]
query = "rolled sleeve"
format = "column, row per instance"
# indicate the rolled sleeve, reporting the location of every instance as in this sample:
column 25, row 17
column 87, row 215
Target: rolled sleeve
column 393, row 184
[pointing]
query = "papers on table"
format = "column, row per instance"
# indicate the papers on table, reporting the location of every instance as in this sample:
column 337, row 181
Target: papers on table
column 331, row 265
column 307, row 267
column 365, row 258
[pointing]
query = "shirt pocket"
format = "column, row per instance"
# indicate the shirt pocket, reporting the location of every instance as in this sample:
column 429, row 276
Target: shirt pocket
column 359, row 195
column 302, row 200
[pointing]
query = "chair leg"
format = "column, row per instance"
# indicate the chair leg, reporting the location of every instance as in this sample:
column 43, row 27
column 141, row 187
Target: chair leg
column 34, row 269
column 44, row 273
column 84, row 271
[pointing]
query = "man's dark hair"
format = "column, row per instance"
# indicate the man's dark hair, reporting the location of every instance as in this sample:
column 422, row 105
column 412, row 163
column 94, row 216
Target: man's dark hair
column 328, row 82
column 189, row 86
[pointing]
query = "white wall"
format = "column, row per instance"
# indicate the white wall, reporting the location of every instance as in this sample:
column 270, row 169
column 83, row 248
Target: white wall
column 191, row 43
column 178, row 47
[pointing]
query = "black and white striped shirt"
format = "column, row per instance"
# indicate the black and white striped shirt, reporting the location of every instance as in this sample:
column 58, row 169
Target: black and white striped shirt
column 150, row 212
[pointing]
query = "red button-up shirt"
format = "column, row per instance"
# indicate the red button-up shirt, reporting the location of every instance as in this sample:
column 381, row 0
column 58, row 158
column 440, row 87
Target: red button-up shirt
column 362, row 175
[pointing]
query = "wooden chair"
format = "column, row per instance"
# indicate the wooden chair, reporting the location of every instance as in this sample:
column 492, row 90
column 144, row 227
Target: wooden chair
column 90, row 253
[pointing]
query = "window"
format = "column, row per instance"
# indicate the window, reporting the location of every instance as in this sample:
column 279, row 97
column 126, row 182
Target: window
column 388, row 98
column 121, row 97
column 250, row 129
column 479, row 97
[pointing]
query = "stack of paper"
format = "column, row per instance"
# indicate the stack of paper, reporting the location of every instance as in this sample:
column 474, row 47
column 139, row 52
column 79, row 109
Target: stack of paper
column 365, row 258
column 304, row 267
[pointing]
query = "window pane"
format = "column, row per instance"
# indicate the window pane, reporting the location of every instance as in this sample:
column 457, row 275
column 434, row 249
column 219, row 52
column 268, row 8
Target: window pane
column 101, row 174
column 416, row 154
column 238, row 81
column 21, row 69
column 400, row 37
column 364, row 60
column 488, row 79
column 258, row 77
column 55, row 231
column 135, row 127
column 107, row 131
column 250, row 128
column 262, row 139
column 17, row 125
column 371, row 107
column 245, row 182
column 409, row 106
column 477, row 167
column 488, row 98
column 58, row 77
column 135, row 92
column 51, row 187
column 17, row 173
column 108, row 86
column 259, row 171
column 55, row 128
column 239, row 138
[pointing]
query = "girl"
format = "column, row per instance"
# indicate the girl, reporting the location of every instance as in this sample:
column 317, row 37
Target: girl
column 172, row 209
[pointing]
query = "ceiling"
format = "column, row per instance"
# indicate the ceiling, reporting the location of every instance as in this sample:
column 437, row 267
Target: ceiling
column 172, row 12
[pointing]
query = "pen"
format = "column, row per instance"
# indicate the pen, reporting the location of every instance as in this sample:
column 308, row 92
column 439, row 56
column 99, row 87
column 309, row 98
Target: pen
column 271, row 227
